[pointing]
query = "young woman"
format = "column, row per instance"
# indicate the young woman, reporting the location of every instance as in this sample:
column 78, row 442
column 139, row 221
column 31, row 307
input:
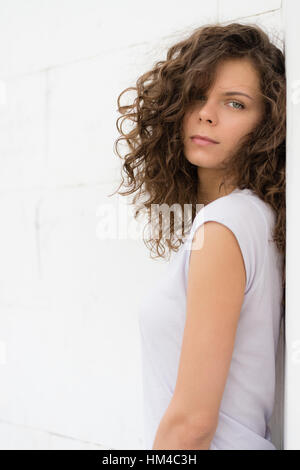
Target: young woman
column 210, row 131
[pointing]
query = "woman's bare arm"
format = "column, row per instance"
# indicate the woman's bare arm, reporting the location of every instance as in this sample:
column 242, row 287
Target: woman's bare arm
column 215, row 293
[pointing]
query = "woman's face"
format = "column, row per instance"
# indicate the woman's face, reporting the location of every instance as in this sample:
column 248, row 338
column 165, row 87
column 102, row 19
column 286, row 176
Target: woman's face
column 223, row 118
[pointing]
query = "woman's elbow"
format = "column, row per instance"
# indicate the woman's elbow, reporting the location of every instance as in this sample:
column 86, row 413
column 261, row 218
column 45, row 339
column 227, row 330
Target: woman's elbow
column 185, row 435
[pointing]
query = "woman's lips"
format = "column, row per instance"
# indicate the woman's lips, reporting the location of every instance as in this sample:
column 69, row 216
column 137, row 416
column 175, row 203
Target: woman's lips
column 199, row 141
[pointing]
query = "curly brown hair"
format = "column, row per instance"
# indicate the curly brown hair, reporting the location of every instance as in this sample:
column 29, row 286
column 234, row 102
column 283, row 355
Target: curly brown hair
column 156, row 165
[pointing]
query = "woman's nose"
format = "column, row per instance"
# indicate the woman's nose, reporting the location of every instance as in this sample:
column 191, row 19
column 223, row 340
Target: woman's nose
column 206, row 113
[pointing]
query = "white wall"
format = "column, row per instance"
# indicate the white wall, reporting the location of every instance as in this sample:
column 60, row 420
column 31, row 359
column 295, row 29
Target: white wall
column 292, row 363
column 69, row 341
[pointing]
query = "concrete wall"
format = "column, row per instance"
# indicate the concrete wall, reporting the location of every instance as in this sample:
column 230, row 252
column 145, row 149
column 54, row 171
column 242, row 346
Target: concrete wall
column 291, row 14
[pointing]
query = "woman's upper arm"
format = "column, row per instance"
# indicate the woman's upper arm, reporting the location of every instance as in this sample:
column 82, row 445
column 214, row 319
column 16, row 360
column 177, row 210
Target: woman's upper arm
column 215, row 293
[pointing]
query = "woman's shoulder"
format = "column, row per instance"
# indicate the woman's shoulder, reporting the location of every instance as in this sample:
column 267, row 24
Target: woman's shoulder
column 246, row 216
column 240, row 204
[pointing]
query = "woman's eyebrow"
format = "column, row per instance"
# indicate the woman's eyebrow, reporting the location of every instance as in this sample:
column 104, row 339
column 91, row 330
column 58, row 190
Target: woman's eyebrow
column 228, row 93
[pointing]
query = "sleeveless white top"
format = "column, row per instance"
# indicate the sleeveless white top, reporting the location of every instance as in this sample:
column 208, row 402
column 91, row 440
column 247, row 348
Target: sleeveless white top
column 249, row 393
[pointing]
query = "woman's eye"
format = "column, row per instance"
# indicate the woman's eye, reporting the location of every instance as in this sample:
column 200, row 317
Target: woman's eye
column 240, row 104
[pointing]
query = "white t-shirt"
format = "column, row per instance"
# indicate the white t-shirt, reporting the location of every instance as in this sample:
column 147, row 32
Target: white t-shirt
column 249, row 393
